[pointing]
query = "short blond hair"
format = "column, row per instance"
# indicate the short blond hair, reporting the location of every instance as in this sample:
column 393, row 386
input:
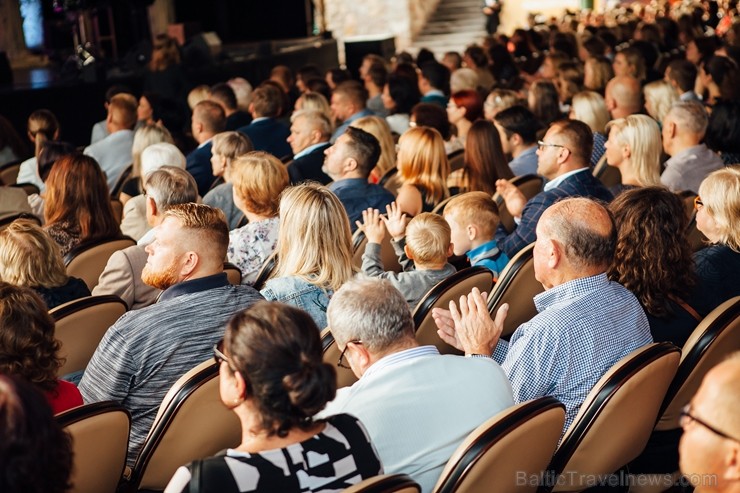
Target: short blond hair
column 477, row 209
column 198, row 94
column 661, row 95
column 720, row 192
column 145, row 136
column 122, row 110
column 590, row 108
column 206, row 223
column 259, row 178
column 30, row 257
column 428, row 237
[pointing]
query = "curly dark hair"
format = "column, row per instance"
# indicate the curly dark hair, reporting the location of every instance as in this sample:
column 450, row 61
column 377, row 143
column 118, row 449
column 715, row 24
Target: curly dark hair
column 27, row 344
column 277, row 350
column 35, row 451
column 653, row 257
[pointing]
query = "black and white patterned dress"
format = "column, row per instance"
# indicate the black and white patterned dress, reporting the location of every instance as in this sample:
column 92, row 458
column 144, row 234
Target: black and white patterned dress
column 334, row 459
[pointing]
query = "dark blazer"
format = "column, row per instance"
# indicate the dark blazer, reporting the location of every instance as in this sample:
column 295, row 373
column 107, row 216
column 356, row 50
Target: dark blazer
column 582, row 184
column 198, row 164
column 269, row 135
column 308, row 167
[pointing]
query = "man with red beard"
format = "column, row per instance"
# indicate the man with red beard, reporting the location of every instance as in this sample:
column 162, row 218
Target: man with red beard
column 144, row 353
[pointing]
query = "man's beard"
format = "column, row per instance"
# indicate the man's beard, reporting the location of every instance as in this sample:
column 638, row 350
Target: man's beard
column 163, row 279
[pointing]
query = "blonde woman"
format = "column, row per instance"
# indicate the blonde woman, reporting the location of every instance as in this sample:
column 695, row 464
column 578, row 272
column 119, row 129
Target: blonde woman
column 311, row 264
column 659, row 97
column 629, row 61
column 146, row 135
column 423, row 169
column 590, row 108
column 258, row 179
column 634, row 146
column 30, row 258
column 499, row 100
column 380, row 129
column 718, row 216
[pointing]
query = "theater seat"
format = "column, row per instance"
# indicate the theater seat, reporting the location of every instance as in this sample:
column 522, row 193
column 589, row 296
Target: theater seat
column 387, row 254
column 265, row 272
column 121, row 181
column 609, row 176
column 529, row 185
column 387, row 483
column 345, row 377
column 9, row 172
column 458, row 284
column 88, row 260
column 80, row 326
column 233, row 273
column 5, row 221
column 192, row 423
column 507, row 453
column 456, row 159
column 615, row 420
column 100, row 433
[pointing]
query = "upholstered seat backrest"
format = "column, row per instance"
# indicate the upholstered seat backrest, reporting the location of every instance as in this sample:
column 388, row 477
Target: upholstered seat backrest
column 508, row 453
column 386, row 483
column 80, row 326
column 191, row 423
column 456, row 159
column 98, row 463
column 617, row 417
column 717, row 336
column 233, row 273
column 265, row 273
column 5, row 221
column 345, row 377
column 88, row 260
column 609, row 176
column 29, row 188
column 529, row 185
column 516, row 286
column 121, row 181
column 9, row 172
column 450, row 289
column 387, row 254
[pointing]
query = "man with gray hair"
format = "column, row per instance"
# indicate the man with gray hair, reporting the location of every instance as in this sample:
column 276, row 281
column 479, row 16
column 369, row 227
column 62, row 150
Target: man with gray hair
column 310, row 131
column 416, row 404
column 165, row 187
column 585, row 323
column 691, row 161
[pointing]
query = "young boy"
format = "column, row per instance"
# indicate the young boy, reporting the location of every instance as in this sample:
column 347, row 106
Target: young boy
column 422, row 247
column 473, row 219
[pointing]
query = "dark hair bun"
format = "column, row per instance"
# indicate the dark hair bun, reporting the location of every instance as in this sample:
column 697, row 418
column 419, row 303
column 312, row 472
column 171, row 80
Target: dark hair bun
column 311, row 387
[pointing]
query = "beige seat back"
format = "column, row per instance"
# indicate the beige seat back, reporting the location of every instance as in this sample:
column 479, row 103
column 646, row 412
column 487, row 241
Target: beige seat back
column 7, row 220
column 439, row 296
column 80, row 326
column 529, row 185
column 88, row 260
column 609, row 176
column 516, row 286
column 440, row 207
column 717, row 336
column 265, row 273
column 387, row 254
column 121, row 181
column 345, row 377
column 9, row 172
column 233, row 273
column 507, row 452
column 386, row 483
column 192, row 423
column 617, row 417
column 100, row 435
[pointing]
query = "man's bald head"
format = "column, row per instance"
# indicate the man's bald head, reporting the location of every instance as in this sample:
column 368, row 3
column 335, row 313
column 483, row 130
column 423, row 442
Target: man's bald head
column 720, row 393
column 623, row 96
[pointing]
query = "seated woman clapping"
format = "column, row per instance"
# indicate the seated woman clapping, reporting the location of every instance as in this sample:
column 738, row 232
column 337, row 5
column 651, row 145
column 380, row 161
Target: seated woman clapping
column 272, row 376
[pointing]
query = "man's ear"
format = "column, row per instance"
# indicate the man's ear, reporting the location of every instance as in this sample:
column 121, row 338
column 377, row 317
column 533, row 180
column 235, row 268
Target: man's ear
column 350, row 165
column 151, row 206
column 554, row 254
column 732, row 469
column 670, row 128
column 190, row 262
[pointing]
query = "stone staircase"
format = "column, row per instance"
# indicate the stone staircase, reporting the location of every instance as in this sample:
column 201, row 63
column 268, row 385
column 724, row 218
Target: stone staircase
column 454, row 25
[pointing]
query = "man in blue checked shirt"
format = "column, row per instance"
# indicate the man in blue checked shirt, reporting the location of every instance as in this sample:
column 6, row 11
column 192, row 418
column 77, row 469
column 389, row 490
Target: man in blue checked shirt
column 585, row 323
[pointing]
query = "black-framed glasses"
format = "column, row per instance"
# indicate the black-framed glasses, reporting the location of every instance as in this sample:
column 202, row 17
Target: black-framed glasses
column 542, row 143
column 218, row 355
column 340, row 363
column 687, row 417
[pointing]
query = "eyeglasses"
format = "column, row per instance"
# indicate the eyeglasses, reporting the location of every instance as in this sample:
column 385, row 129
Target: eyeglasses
column 698, row 204
column 686, row 417
column 542, row 144
column 218, row 355
column 340, row 363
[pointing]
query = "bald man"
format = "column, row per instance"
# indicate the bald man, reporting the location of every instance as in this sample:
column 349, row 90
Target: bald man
column 623, row 96
column 710, row 445
column 585, row 323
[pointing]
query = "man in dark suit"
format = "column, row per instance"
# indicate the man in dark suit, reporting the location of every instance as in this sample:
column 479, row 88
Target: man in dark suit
column 266, row 132
column 208, row 120
column 309, row 138
column 563, row 159
column 224, row 95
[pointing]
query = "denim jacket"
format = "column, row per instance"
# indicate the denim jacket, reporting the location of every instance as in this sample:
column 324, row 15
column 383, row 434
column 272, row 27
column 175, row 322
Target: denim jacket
column 297, row 292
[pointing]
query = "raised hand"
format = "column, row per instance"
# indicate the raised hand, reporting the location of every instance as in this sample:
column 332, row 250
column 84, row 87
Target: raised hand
column 395, row 221
column 372, row 225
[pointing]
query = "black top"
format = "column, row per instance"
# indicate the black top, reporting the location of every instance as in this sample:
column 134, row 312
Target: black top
column 718, row 270
column 675, row 327
column 74, row 289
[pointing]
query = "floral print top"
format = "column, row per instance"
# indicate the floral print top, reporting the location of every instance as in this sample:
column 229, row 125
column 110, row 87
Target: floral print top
column 250, row 245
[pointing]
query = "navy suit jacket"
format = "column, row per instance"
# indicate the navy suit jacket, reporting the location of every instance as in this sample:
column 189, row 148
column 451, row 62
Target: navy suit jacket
column 270, row 136
column 198, row 164
column 308, row 167
column 582, row 184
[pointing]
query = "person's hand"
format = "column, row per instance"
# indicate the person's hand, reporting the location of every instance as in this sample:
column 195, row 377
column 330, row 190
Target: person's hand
column 372, row 226
column 470, row 328
column 514, row 198
column 396, row 221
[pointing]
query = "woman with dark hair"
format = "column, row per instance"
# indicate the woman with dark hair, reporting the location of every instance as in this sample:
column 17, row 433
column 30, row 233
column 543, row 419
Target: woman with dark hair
column 335, row 76
column 273, row 377
column 463, row 109
column 485, row 162
column 35, row 452
column 28, row 348
column 47, row 154
column 653, row 260
column 77, row 205
column 544, row 102
column 723, row 132
column 400, row 94
column 720, row 78
column 12, row 147
column 504, row 67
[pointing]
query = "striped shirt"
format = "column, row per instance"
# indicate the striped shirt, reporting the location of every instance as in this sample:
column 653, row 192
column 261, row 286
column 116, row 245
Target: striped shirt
column 144, row 353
